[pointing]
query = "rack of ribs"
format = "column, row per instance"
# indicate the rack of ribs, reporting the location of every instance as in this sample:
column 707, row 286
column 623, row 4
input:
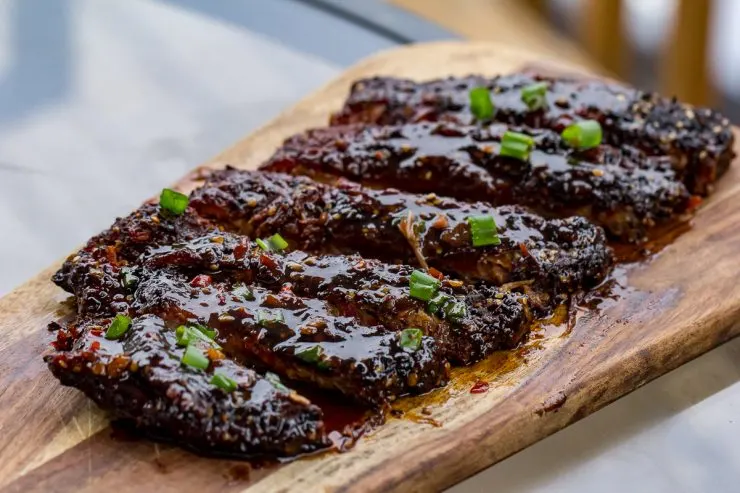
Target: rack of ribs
column 338, row 322
column 558, row 256
column 411, row 246
column 697, row 141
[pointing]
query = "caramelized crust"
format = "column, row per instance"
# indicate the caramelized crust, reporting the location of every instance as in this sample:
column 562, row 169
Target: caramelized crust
column 698, row 141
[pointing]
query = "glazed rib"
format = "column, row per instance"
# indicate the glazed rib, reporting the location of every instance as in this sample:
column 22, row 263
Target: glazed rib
column 140, row 378
column 626, row 192
column 297, row 337
column 95, row 273
column 558, row 255
column 699, row 141
column 357, row 291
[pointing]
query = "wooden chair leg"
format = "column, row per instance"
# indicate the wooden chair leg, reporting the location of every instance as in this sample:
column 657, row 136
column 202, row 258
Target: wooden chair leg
column 601, row 35
column 685, row 69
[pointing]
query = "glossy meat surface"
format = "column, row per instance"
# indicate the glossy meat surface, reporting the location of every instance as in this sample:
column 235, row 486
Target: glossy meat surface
column 337, row 322
column 140, row 378
column 366, row 299
column 623, row 190
column 558, row 255
column 698, row 141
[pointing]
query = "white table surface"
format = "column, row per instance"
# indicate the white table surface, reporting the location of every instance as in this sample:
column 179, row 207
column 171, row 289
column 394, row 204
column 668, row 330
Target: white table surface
column 129, row 95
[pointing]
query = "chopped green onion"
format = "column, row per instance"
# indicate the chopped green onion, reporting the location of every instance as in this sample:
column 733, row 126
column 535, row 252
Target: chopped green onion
column 411, row 338
column 311, row 355
column 480, row 103
column 423, row 286
column 438, row 302
column 274, row 243
column 420, row 277
column 583, row 135
column 423, row 292
column 207, row 331
column 266, row 317
column 173, row 202
column 190, row 334
column 118, row 327
column 223, row 382
column 533, row 95
column 455, row 311
column 128, row 278
column 277, row 242
column 483, row 230
column 242, row 291
column 516, row 145
column 195, row 358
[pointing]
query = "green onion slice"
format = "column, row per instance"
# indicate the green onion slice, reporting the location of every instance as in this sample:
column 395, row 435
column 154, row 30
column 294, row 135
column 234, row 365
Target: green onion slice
column 173, row 202
column 187, row 335
column 516, row 145
column 424, row 292
column 223, row 382
column 242, row 291
column 533, row 95
column 455, row 311
column 274, row 243
column 128, row 278
column 118, row 327
column 583, row 135
column 262, row 244
column 483, row 230
column 311, row 355
column 207, row 331
column 195, row 358
column 411, row 338
column 423, row 286
column 277, row 242
column 420, row 277
column 480, row 103
column 438, row 303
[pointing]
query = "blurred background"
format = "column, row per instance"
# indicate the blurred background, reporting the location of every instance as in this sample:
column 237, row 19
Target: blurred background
column 103, row 102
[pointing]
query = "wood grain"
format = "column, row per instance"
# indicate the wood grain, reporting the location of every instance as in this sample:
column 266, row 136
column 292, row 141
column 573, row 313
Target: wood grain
column 679, row 305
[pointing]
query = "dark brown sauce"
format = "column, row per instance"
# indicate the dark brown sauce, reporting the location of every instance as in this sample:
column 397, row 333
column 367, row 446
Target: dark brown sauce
column 344, row 421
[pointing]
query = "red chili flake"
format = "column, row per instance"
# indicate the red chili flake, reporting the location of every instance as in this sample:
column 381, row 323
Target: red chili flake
column 221, row 299
column 240, row 250
column 440, row 222
column 141, row 236
column 111, row 254
column 287, row 288
column 694, row 202
column 480, row 387
column 267, row 261
column 96, row 332
column 201, row 281
column 524, row 249
column 435, row 273
column 95, row 346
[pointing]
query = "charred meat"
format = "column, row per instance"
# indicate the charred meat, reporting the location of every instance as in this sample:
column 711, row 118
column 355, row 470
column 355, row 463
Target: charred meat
column 625, row 191
column 141, row 377
column 698, row 141
column 557, row 255
column 295, row 291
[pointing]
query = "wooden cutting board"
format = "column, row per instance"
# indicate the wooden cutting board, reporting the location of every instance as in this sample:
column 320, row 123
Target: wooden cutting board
column 680, row 304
